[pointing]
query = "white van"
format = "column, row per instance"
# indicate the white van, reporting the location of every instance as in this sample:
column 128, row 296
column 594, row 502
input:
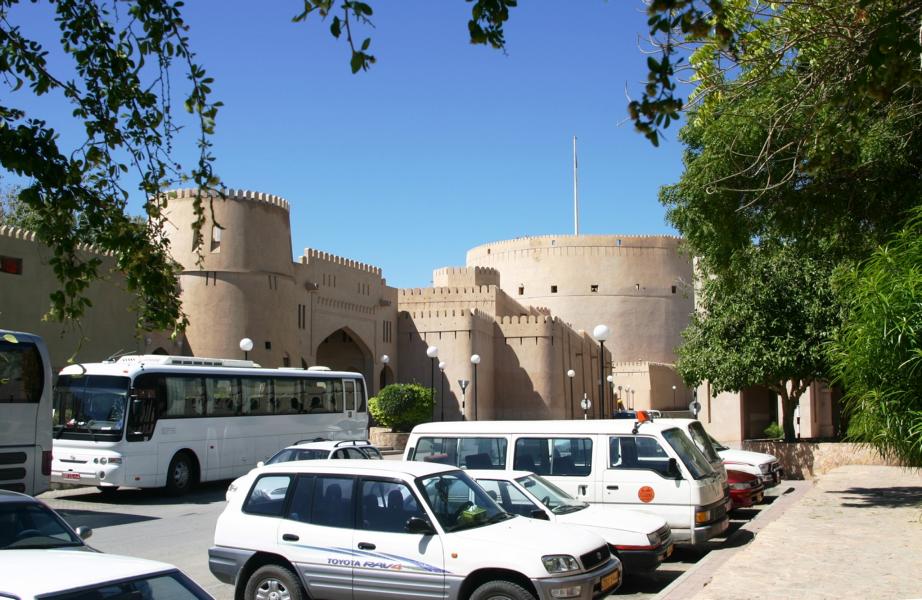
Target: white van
column 641, row 465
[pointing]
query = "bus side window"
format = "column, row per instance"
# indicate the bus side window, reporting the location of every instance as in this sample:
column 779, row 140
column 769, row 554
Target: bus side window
column 336, row 395
column 349, row 385
column 148, row 405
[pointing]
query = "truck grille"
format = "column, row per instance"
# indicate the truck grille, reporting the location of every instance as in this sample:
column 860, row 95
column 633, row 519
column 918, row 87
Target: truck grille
column 595, row 558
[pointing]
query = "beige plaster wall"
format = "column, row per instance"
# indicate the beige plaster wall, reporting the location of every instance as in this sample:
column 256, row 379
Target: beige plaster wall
column 805, row 460
column 108, row 326
column 634, row 274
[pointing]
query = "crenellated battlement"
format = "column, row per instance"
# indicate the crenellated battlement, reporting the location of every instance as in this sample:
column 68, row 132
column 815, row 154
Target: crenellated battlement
column 235, row 194
column 444, row 292
column 312, row 256
column 465, row 276
column 526, row 242
column 525, row 319
column 19, row 233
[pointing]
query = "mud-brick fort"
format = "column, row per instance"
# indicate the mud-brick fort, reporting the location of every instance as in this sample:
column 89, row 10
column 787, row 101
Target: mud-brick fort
column 525, row 307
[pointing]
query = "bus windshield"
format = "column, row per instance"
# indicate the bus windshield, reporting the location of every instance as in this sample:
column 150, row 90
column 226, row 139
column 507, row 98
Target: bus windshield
column 91, row 406
column 694, row 461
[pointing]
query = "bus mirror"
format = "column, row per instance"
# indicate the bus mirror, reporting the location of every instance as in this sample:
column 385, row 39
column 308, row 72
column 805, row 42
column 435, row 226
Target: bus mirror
column 674, row 471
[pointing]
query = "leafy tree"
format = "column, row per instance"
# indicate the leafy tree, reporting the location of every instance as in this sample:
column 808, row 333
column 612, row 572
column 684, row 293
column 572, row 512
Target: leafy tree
column 122, row 58
column 877, row 354
column 402, row 406
column 764, row 324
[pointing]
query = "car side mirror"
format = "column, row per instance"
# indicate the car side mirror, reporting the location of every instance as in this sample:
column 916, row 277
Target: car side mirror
column 84, row 532
column 261, row 464
column 419, row 526
column 674, row 471
column 540, row 514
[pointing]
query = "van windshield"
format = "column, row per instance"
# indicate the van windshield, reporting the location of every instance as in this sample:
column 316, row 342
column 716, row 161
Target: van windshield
column 459, row 503
column 694, row 461
column 700, row 437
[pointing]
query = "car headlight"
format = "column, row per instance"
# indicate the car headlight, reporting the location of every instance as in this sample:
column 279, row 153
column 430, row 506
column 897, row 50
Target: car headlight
column 765, row 468
column 653, row 538
column 560, row 563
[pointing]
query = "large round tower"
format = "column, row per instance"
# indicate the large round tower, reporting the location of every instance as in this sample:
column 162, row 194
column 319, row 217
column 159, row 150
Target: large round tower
column 244, row 286
column 640, row 286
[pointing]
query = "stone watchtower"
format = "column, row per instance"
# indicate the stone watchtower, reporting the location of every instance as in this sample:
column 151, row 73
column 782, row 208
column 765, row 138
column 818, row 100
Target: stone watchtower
column 245, row 286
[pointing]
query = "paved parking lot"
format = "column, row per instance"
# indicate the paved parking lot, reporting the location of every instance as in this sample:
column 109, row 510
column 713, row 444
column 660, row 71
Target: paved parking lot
column 149, row 524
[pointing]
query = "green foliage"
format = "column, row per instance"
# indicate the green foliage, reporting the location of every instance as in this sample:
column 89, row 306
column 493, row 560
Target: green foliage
column 114, row 68
column 401, row 406
column 773, row 431
column 878, row 351
column 764, row 322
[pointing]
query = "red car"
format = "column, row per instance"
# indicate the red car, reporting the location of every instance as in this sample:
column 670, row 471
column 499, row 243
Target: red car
column 745, row 489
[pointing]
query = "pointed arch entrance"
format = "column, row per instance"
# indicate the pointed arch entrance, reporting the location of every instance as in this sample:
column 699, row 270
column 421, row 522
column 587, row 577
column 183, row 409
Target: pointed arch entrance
column 343, row 350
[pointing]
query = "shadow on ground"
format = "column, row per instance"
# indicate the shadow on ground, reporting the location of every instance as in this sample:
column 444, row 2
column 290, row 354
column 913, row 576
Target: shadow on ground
column 648, row 583
column 887, row 497
column 100, row 519
column 205, row 493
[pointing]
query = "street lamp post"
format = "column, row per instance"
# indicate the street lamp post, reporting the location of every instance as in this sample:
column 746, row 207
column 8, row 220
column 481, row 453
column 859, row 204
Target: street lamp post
column 475, row 360
column 433, row 353
column 246, row 344
column 630, row 398
column 571, row 374
column 442, row 366
column 621, row 405
column 601, row 334
column 611, row 394
column 673, row 396
column 462, row 383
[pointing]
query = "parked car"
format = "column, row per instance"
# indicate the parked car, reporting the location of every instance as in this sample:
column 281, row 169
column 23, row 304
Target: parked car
column 746, row 489
column 60, row 574
column 28, row 523
column 764, row 466
column 317, row 450
column 374, row 529
column 642, row 541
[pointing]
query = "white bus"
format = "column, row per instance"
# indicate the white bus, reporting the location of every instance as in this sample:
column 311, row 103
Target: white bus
column 25, row 413
column 154, row 421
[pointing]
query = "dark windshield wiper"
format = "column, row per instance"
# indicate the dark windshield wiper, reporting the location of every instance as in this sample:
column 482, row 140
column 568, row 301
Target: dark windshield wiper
column 86, row 425
column 499, row 517
column 44, row 546
column 565, row 509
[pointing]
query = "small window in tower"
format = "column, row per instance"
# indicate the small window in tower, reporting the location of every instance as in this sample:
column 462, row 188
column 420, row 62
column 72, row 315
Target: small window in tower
column 521, row 290
column 11, row 265
column 619, row 242
column 268, row 345
column 215, row 239
column 637, row 287
column 553, row 289
column 488, row 250
column 594, row 288
column 673, row 289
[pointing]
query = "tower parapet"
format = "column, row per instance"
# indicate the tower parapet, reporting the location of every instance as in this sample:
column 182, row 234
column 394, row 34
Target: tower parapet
column 465, row 277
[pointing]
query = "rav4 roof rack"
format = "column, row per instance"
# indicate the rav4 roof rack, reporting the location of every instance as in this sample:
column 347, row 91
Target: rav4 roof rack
column 353, row 443
column 316, row 439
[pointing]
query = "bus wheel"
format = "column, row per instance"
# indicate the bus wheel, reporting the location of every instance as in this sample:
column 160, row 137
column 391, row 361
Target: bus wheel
column 107, row 490
column 180, row 477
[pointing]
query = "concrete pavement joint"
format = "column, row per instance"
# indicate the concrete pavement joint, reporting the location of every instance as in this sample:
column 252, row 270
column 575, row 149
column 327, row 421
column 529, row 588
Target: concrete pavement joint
column 697, row 577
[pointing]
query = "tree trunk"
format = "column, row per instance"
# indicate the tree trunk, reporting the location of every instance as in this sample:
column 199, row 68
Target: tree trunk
column 788, row 404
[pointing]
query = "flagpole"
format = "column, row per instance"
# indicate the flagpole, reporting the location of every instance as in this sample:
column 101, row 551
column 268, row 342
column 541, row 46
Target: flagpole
column 575, row 191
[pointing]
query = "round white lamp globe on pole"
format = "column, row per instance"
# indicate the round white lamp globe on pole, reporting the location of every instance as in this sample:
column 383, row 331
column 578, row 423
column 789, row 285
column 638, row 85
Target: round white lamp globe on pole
column 601, row 333
column 385, row 359
column 246, row 344
column 433, row 353
column 442, row 366
column 475, row 360
column 571, row 374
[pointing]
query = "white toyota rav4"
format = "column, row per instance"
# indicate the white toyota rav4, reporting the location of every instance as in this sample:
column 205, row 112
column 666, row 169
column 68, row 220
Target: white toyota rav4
column 365, row 530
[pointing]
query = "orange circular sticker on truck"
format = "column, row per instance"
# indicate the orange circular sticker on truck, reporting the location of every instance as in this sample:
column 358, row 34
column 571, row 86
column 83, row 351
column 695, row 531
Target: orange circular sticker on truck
column 646, row 494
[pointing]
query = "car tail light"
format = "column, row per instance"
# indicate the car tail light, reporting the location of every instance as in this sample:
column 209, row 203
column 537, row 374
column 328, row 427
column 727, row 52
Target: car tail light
column 46, row 462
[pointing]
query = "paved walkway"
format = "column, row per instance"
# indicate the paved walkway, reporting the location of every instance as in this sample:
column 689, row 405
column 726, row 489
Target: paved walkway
column 857, row 533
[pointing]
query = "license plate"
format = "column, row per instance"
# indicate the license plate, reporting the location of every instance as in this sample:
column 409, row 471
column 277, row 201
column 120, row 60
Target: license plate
column 71, row 475
column 611, row 580
column 757, row 498
column 669, row 551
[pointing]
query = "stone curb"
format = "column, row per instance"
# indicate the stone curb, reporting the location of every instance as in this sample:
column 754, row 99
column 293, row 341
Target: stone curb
column 696, row 578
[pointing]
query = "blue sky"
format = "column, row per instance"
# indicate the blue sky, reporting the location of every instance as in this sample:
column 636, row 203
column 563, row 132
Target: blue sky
column 441, row 146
